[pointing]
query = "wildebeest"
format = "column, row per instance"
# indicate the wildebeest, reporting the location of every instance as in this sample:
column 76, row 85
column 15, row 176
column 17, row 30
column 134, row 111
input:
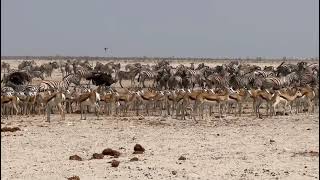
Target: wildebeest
column 100, row 79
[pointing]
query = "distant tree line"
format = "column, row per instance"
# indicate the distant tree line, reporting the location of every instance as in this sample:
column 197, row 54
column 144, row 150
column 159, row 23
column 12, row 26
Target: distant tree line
column 143, row 58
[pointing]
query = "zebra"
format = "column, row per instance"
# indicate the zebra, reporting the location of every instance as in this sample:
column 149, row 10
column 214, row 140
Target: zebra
column 217, row 80
column 147, row 75
column 37, row 74
column 308, row 77
column 48, row 68
column 236, row 81
column 124, row 75
column 5, row 66
column 280, row 82
column 197, row 76
column 6, row 89
column 264, row 74
column 82, row 72
column 46, row 85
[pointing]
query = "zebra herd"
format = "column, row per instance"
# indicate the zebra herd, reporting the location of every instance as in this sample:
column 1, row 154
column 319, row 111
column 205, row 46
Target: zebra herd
column 176, row 91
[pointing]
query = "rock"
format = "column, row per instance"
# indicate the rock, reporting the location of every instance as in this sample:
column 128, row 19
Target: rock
column 74, row 178
column 111, row 152
column 182, row 158
column 10, row 129
column 138, row 147
column 97, row 156
column 137, row 152
column 75, row 157
column 272, row 141
column 134, row 159
column 174, row 172
column 115, row 163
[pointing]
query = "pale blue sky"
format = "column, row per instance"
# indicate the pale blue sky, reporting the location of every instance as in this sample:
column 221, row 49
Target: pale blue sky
column 194, row 28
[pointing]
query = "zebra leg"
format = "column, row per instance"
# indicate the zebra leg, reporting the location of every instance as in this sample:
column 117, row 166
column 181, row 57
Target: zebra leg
column 97, row 109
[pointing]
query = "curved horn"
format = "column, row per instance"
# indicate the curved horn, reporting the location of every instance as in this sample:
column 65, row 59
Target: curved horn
column 281, row 64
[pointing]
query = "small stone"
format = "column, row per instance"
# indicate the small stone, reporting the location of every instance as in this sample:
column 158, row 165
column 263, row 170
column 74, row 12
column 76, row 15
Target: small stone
column 97, row 156
column 174, row 172
column 111, row 152
column 272, row 141
column 75, row 157
column 115, row 163
column 74, row 178
column 134, row 159
column 138, row 147
column 137, row 152
column 182, row 158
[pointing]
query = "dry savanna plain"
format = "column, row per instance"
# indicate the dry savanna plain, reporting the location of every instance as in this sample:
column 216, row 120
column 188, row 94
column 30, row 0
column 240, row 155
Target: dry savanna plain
column 246, row 147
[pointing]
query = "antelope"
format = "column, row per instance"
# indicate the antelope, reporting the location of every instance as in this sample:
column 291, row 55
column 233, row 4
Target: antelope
column 128, row 98
column 89, row 99
column 254, row 94
column 55, row 99
column 150, row 97
column 209, row 97
column 9, row 101
column 308, row 96
column 239, row 96
column 289, row 99
column 108, row 98
column 183, row 102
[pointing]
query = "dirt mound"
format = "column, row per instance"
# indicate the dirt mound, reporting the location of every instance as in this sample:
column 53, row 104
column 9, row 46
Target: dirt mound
column 134, row 159
column 306, row 153
column 75, row 157
column 74, row 178
column 182, row 158
column 97, row 156
column 115, row 163
column 139, row 148
column 10, row 129
column 111, row 152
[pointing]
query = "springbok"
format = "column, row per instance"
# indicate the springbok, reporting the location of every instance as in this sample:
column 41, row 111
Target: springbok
column 89, row 99
column 53, row 100
column 11, row 102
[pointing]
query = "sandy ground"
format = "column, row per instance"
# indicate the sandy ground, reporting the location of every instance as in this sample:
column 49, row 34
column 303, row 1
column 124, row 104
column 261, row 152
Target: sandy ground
column 283, row 147
column 234, row 148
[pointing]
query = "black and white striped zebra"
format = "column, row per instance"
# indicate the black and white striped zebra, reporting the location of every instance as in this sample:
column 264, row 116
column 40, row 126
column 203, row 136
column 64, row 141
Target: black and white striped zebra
column 242, row 81
column 217, row 80
column 82, row 72
column 127, row 75
column 6, row 89
column 280, row 82
column 263, row 73
column 50, row 85
column 309, row 78
column 147, row 75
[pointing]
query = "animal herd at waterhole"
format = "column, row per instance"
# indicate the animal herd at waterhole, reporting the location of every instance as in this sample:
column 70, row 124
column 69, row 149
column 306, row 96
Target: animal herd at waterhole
column 184, row 91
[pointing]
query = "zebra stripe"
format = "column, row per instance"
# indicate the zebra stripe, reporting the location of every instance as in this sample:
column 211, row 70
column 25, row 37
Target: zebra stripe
column 46, row 85
column 279, row 82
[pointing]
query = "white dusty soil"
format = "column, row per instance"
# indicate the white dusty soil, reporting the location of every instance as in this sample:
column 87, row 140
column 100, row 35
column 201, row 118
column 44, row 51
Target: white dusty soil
column 283, row 147
column 234, row 148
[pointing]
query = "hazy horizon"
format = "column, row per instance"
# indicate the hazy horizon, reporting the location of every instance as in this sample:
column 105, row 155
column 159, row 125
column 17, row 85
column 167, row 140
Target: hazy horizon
column 207, row 28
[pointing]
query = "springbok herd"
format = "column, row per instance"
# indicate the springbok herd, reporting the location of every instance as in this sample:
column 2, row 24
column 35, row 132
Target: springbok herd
column 181, row 91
